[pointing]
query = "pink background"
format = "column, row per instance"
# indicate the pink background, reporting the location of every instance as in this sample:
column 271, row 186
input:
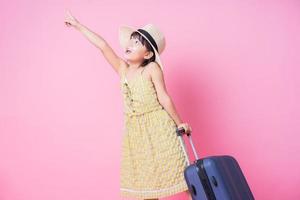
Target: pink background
column 231, row 68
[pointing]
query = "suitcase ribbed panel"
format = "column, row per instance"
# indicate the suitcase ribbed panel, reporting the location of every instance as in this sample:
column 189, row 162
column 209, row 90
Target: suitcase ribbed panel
column 215, row 177
column 194, row 183
column 228, row 173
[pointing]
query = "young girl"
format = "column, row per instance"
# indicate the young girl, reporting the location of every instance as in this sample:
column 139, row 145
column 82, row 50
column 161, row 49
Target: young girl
column 153, row 160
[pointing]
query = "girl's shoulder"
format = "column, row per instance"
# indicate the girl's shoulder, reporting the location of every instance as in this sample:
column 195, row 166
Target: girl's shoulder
column 123, row 68
column 151, row 69
column 154, row 68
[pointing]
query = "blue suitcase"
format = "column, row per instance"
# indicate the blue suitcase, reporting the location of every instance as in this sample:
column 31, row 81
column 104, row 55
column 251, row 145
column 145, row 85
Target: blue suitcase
column 214, row 177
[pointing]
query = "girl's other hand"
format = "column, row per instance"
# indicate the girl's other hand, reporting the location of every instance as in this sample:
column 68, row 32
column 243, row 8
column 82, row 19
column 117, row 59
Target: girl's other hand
column 186, row 126
column 70, row 20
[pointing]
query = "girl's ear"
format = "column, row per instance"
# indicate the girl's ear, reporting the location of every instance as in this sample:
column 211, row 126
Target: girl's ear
column 148, row 55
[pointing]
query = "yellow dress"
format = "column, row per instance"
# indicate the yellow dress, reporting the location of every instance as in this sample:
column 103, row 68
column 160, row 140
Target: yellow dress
column 152, row 158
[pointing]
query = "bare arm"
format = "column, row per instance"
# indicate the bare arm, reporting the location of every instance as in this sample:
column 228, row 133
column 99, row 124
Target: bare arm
column 163, row 97
column 162, row 94
column 109, row 54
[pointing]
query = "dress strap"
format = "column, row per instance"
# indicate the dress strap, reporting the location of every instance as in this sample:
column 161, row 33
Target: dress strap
column 122, row 73
column 123, row 77
column 143, row 70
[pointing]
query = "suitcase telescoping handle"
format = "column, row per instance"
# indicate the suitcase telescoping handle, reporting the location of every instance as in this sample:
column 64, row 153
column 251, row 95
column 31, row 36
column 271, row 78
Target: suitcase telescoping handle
column 180, row 132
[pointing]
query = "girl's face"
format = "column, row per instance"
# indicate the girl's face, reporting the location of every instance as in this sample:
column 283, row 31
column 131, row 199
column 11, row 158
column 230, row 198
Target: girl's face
column 135, row 51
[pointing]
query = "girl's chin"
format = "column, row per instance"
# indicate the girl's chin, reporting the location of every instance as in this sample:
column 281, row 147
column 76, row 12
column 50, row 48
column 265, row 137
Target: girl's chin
column 128, row 58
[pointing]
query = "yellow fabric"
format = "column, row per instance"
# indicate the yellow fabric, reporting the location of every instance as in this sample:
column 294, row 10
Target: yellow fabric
column 152, row 158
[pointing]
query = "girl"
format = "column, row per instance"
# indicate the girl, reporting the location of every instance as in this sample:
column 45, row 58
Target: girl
column 153, row 160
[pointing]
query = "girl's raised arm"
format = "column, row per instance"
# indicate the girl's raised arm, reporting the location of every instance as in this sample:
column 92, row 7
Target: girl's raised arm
column 115, row 61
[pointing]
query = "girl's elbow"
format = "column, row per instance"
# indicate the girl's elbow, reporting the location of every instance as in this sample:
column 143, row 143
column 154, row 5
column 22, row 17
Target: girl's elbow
column 164, row 100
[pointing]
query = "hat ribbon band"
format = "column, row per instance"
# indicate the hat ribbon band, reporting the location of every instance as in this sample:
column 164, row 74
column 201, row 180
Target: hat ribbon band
column 149, row 37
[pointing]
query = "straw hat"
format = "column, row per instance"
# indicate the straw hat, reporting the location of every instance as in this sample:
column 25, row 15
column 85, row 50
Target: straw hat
column 151, row 33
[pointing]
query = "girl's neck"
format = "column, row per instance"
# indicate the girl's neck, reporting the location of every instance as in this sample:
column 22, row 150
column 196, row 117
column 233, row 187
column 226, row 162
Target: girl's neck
column 134, row 65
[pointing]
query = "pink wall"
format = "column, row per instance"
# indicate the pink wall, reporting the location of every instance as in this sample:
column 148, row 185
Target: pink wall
column 231, row 69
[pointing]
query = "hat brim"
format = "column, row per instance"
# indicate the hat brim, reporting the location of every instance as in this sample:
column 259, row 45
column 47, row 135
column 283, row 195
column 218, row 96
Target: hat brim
column 124, row 36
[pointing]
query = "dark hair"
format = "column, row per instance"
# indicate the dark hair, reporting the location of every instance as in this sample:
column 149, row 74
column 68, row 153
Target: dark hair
column 137, row 35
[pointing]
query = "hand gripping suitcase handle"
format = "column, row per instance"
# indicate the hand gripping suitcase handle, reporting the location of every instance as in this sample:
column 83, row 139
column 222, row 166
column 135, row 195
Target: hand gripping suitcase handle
column 180, row 132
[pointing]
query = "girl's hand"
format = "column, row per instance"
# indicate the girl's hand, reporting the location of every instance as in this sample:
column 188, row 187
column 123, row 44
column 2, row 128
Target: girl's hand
column 187, row 128
column 70, row 20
